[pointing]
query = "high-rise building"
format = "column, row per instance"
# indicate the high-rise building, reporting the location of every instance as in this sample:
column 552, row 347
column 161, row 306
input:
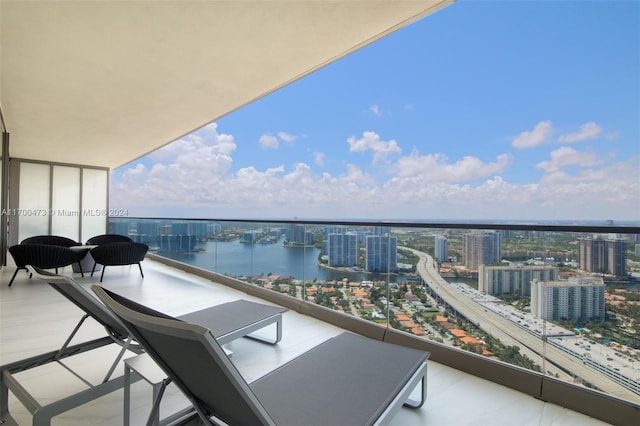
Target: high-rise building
column 178, row 228
column 496, row 280
column 148, row 228
column 297, row 234
column 379, row 230
column 441, row 248
column 382, row 253
column 603, row 256
column 199, row 229
column 334, row 229
column 482, row 248
column 121, row 228
column 213, row 228
column 579, row 298
column 250, row 237
column 276, row 232
column 176, row 243
column 343, row 249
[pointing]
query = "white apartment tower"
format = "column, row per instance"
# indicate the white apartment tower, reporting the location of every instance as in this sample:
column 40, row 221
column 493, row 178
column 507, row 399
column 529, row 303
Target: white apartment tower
column 575, row 299
column 514, row 280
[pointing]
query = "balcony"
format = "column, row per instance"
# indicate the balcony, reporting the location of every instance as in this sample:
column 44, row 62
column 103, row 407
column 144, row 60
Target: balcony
column 36, row 319
column 56, row 157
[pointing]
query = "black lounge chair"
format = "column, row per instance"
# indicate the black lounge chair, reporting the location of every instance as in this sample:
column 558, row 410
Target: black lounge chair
column 52, row 240
column 348, row 379
column 118, row 254
column 233, row 320
column 45, row 256
column 108, row 238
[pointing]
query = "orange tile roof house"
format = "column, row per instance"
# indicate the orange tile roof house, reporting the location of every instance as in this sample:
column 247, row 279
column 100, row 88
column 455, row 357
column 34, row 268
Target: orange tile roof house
column 418, row 331
column 457, row 332
column 470, row 340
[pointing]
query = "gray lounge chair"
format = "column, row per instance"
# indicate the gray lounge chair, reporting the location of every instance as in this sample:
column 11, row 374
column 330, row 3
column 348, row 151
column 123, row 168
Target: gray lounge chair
column 232, row 320
column 348, row 379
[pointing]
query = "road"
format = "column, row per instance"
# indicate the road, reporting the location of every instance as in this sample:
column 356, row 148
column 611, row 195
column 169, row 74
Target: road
column 511, row 334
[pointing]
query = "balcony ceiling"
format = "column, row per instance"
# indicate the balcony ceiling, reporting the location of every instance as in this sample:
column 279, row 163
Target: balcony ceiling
column 104, row 83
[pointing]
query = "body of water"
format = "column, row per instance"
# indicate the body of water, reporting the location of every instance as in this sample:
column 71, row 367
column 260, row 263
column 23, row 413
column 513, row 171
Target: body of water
column 238, row 259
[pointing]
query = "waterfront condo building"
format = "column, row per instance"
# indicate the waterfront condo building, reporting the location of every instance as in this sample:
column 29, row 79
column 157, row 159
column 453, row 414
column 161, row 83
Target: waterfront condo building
column 381, row 253
column 343, row 249
column 514, row 280
column 250, row 237
column 297, row 234
column 123, row 228
column 176, row 243
column 579, row 298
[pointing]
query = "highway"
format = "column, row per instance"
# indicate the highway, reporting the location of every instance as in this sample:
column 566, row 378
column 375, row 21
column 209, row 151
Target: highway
column 511, row 334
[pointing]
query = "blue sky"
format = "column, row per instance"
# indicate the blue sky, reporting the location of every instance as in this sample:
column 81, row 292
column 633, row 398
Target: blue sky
column 483, row 110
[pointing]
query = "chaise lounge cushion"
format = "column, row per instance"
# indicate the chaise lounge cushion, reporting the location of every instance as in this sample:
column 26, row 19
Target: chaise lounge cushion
column 348, row 379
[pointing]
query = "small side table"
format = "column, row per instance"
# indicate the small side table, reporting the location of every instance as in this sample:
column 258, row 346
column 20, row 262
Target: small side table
column 147, row 369
column 87, row 262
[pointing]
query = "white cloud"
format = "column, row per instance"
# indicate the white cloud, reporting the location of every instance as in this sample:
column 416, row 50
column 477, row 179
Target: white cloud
column 587, row 131
column 137, row 172
column 268, row 141
column 319, row 158
column 538, row 136
column 612, row 136
column 202, row 157
column 205, row 142
column 370, row 141
column 286, row 137
column 567, row 156
column 277, row 192
column 194, row 178
column 436, row 168
column 375, row 109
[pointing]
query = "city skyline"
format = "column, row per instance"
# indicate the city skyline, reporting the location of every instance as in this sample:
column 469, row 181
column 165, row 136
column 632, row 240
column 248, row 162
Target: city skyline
column 483, row 110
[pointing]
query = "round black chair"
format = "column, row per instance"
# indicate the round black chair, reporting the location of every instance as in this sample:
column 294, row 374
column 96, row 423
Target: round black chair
column 108, row 238
column 52, row 240
column 118, row 254
column 44, row 256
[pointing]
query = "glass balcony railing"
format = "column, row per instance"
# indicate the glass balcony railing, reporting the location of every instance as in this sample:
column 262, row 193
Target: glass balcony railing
column 559, row 300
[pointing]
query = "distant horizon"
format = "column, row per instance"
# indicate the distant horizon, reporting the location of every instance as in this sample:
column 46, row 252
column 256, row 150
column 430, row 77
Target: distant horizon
column 622, row 224
column 481, row 110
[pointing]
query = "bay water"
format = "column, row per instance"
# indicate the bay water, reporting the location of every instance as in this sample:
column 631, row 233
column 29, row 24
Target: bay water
column 238, row 259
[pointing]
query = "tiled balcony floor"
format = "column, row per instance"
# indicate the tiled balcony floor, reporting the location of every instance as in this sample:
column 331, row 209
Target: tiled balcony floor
column 35, row 319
